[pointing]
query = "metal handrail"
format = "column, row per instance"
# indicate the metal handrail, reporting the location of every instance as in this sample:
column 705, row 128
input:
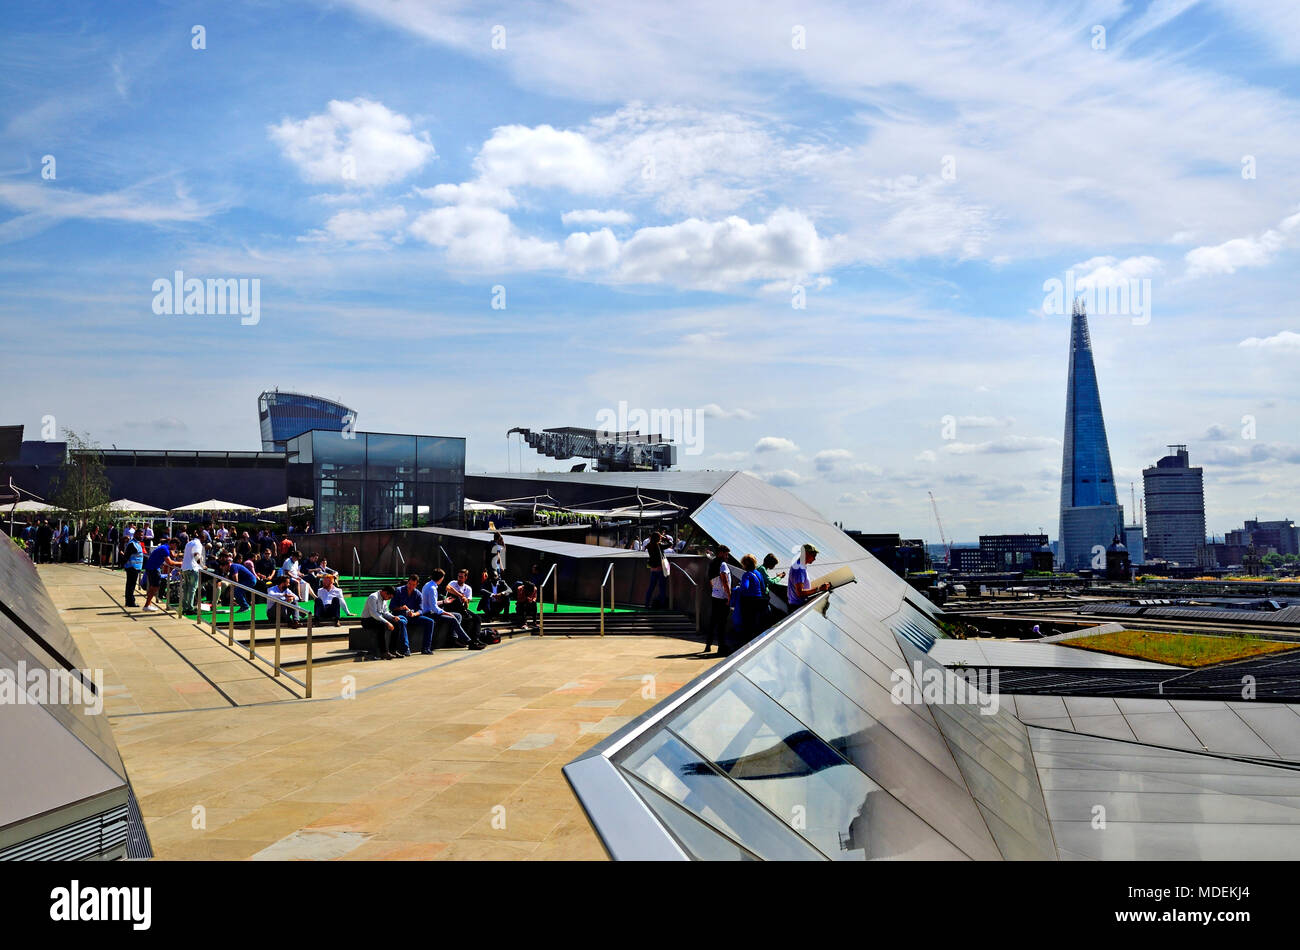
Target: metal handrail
column 356, row 564
column 541, row 600
column 609, row 573
column 397, row 554
column 682, row 571
column 218, row 581
column 446, row 555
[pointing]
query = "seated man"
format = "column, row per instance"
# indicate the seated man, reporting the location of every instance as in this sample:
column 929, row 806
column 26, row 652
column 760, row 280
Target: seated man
column 330, row 600
column 459, row 595
column 376, row 617
column 496, row 597
column 240, row 575
column 264, row 568
column 278, row 599
column 525, row 603
column 433, row 609
column 407, row 603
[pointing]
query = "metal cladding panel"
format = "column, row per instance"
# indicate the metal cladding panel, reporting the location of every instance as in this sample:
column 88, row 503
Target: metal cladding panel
column 1163, row 804
column 25, row 604
column 45, row 767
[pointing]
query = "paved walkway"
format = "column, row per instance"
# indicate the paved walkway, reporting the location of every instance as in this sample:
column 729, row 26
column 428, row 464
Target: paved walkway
column 455, row 755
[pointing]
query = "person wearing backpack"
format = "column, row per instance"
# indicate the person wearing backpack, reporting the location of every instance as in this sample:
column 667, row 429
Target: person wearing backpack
column 132, row 561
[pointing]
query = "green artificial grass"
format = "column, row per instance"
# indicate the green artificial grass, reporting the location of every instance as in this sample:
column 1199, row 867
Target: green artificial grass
column 356, row 604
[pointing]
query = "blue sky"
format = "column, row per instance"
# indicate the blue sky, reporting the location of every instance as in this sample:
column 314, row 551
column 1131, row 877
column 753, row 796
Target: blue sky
column 653, row 185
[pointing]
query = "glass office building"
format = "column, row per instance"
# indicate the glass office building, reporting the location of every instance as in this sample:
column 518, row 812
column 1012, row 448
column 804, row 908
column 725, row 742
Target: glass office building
column 282, row 416
column 362, row 481
column 1090, row 514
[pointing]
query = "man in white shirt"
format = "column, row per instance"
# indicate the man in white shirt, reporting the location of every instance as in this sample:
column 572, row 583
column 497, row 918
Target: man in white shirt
column 279, row 594
column 459, row 597
column 376, row 618
column 432, row 609
column 191, row 563
column 330, row 600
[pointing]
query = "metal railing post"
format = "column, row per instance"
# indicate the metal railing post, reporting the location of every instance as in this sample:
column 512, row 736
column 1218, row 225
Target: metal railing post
column 541, row 610
column 199, row 605
column 278, row 613
column 230, row 627
column 310, row 619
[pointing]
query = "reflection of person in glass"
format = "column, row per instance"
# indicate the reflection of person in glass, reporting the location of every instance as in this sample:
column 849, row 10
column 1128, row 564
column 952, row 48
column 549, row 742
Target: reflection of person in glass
column 799, row 590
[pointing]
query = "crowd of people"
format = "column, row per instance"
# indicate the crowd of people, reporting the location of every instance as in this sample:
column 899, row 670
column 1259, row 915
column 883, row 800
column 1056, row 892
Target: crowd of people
column 272, row 564
column 741, row 605
column 290, row 579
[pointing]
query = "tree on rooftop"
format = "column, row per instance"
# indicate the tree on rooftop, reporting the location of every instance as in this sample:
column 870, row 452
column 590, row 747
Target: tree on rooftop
column 81, row 488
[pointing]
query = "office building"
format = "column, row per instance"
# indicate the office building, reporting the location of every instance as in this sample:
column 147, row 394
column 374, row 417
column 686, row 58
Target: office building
column 1175, row 508
column 283, row 415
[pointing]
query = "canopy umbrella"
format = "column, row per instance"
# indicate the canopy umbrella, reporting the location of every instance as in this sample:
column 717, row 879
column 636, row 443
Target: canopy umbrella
column 212, row 504
column 472, row 505
column 136, row 507
column 280, row 509
column 32, row 506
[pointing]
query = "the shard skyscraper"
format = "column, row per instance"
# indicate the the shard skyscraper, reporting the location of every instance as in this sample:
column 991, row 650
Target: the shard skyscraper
column 1090, row 514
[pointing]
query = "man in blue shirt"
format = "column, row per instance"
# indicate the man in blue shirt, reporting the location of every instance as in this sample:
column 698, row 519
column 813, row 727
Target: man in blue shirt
column 408, row 603
column 240, row 575
column 133, row 562
column 798, row 589
column 433, row 611
column 160, row 561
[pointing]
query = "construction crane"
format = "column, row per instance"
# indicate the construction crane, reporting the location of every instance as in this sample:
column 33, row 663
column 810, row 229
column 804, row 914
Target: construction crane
column 934, row 504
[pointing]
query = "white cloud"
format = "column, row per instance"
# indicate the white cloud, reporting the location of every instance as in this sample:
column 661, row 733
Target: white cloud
column 1103, row 272
column 715, row 254
column 783, row 478
column 773, row 443
column 1254, row 251
column 597, row 250
column 592, row 216
column 854, row 498
column 827, row 459
column 358, row 143
column 712, row 410
column 544, row 157
column 1285, row 340
column 483, row 239
column 985, row 422
column 125, row 205
column 1009, row 444
column 363, row 227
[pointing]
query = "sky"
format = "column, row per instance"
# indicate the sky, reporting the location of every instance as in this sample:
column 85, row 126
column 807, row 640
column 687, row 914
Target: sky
column 834, row 239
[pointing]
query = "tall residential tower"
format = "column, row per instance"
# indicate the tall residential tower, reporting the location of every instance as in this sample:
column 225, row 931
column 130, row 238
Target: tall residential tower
column 1091, row 517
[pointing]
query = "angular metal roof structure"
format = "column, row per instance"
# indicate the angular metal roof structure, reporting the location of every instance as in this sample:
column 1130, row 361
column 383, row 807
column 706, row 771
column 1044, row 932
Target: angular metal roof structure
column 837, row 735
column 64, row 792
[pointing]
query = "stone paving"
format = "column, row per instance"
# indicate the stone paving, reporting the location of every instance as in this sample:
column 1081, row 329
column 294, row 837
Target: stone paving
column 455, row 755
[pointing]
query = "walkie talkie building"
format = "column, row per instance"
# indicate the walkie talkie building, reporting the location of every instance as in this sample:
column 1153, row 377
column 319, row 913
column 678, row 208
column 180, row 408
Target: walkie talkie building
column 1090, row 513
column 285, row 415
